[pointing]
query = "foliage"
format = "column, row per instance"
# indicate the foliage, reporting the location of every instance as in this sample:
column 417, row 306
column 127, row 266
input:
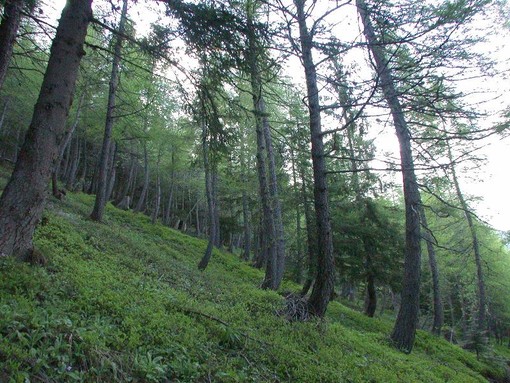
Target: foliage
column 123, row 301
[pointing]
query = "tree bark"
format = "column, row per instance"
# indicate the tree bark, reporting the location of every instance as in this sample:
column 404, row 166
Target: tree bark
column 66, row 144
column 157, row 197
column 21, row 206
column 271, row 207
column 325, row 277
column 246, row 210
column 437, row 323
column 407, row 320
column 71, row 179
column 482, row 299
column 141, row 205
column 11, row 20
column 100, row 202
column 112, row 172
column 310, row 241
column 210, row 199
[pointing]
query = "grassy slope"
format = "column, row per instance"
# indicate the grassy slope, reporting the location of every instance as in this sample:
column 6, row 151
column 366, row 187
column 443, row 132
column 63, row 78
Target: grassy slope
column 123, row 301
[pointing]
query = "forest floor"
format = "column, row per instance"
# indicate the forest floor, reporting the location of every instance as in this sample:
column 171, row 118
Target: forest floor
column 123, row 301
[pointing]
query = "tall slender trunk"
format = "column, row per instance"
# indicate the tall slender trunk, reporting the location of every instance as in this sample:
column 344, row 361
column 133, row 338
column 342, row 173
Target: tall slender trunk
column 11, row 20
column 100, row 202
column 210, row 199
column 325, row 278
column 20, row 211
column 295, row 190
column 407, row 320
column 168, row 211
column 122, row 200
column 266, row 165
column 112, row 172
column 275, row 199
column 436, row 290
column 311, row 243
column 246, row 211
column 66, row 144
column 71, row 179
column 482, row 299
column 140, row 206
column 214, row 179
column 157, row 196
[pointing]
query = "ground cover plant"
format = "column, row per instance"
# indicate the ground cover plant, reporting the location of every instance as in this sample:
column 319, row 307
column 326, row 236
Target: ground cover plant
column 123, row 301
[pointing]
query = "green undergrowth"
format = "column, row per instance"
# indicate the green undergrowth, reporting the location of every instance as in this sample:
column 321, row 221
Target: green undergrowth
column 123, row 301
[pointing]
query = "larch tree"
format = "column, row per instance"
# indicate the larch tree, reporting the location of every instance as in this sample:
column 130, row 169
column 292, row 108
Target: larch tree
column 102, row 178
column 271, row 205
column 404, row 330
column 9, row 25
column 21, row 207
column 325, row 277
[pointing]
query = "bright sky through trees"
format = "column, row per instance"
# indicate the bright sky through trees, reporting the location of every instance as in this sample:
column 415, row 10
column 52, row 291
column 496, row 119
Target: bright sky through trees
column 490, row 182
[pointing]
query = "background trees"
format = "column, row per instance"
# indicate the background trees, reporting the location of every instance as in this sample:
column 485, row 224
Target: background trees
column 221, row 134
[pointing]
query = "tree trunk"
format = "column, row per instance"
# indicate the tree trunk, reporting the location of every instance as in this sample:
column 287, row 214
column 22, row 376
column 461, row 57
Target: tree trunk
column 267, row 187
column 140, row 206
column 482, row 300
column 311, row 243
column 407, row 320
column 295, row 190
column 11, row 20
column 71, row 179
column 157, row 199
column 100, row 202
column 4, row 112
column 275, row 199
column 214, row 179
column 66, row 144
column 112, row 172
column 210, row 199
column 436, row 290
column 325, row 277
column 21, row 206
column 371, row 296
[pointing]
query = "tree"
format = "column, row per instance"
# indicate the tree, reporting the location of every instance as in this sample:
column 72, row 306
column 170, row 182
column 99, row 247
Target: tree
column 22, row 207
column 325, row 277
column 272, row 211
column 9, row 25
column 407, row 320
column 101, row 195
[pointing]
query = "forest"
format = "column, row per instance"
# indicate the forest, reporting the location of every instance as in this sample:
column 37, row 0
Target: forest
column 252, row 191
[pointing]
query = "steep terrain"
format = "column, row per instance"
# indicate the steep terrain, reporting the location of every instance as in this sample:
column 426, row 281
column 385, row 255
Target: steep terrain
column 124, row 301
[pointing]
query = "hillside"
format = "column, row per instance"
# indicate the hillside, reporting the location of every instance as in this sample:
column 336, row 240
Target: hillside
column 123, row 301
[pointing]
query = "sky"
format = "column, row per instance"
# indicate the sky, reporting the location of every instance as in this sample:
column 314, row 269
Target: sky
column 491, row 182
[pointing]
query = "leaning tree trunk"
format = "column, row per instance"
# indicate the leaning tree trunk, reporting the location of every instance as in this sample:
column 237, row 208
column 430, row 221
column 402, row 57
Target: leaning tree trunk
column 11, row 19
column 325, row 277
column 436, row 290
column 407, row 320
column 21, row 206
column 482, row 300
column 100, row 202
